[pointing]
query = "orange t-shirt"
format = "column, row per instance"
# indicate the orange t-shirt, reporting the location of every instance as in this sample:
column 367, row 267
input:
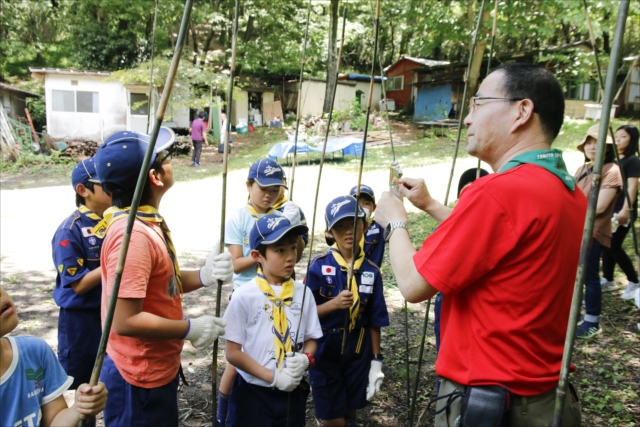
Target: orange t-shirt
column 149, row 275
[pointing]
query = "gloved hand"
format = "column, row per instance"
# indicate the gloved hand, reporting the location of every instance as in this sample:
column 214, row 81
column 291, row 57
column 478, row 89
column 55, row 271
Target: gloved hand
column 375, row 378
column 297, row 363
column 218, row 267
column 204, row 330
column 292, row 212
column 285, row 380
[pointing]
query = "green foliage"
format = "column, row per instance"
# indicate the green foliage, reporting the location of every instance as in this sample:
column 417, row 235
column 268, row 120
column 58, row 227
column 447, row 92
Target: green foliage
column 35, row 163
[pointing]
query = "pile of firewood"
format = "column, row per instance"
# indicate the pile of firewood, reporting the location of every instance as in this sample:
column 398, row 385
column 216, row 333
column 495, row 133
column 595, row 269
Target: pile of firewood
column 183, row 144
column 77, row 148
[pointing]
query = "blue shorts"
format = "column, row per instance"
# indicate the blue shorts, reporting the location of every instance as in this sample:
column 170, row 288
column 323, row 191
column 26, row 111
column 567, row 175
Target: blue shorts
column 79, row 333
column 129, row 405
column 339, row 382
column 254, row 405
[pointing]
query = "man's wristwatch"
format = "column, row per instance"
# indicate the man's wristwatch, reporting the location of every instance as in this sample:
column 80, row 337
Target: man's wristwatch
column 392, row 226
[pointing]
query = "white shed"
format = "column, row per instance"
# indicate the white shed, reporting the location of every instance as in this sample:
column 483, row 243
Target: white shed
column 85, row 105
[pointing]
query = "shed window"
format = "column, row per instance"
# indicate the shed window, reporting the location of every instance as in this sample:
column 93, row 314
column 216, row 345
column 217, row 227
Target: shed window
column 87, row 102
column 394, row 83
column 139, row 104
column 64, row 100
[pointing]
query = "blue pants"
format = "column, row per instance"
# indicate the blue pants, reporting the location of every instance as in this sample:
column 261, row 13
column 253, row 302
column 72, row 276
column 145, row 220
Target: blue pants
column 593, row 289
column 252, row 405
column 79, row 334
column 128, row 405
column 339, row 381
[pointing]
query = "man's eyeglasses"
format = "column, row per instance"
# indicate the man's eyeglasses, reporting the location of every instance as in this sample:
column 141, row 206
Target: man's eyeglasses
column 163, row 156
column 473, row 104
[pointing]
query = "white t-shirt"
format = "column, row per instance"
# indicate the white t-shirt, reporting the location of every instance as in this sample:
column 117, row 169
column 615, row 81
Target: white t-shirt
column 236, row 232
column 248, row 324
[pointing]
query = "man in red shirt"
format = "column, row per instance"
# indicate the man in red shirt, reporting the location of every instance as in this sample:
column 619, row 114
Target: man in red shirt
column 505, row 258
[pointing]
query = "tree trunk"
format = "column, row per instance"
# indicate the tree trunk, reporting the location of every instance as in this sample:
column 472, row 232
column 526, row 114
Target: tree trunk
column 248, row 32
column 332, row 59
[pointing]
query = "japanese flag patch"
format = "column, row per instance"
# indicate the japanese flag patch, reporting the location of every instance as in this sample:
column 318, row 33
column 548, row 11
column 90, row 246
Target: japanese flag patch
column 367, row 278
column 328, row 270
column 87, row 232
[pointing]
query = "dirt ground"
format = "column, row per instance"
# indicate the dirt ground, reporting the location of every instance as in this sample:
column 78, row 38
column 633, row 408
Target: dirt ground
column 608, row 366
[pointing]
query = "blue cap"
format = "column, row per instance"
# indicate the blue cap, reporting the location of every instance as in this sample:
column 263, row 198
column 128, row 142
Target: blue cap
column 364, row 189
column 270, row 228
column 266, row 173
column 341, row 207
column 120, row 157
column 85, row 171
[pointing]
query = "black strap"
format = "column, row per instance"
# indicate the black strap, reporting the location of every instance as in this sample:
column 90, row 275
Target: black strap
column 182, row 377
column 451, row 397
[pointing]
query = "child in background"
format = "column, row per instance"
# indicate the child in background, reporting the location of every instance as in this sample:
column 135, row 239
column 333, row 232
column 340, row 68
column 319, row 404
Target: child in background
column 263, row 319
column 374, row 234
column 32, row 381
column 264, row 181
column 279, row 205
column 76, row 255
column 342, row 383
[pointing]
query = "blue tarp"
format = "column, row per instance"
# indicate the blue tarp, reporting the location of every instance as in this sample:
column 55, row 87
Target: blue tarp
column 433, row 103
column 348, row 145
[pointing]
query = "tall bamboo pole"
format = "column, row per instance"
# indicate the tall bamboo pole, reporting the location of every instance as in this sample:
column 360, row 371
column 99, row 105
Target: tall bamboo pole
column 593, row 202
column 135, row 203
column 225, row 160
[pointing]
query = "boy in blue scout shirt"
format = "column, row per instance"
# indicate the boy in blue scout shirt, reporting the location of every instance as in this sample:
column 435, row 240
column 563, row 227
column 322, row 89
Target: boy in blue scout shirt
column 264, row 181
column 268, row 319
column 374, row 234
column 342, row 383
column 76, row 255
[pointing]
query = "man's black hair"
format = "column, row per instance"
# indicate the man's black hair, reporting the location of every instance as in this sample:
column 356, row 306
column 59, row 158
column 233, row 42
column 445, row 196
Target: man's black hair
column 201, row 115
column 529, row 81
column 633, row 133
column 124, row 198
column 290, row 237
column 79, row 199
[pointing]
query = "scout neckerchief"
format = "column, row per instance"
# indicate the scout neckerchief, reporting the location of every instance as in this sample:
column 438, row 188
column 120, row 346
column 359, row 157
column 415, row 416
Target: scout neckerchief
column 551, row 160
column 255, row 214
column 281, row 332
column 88, row 213
column 148, row 214
column 353, row 285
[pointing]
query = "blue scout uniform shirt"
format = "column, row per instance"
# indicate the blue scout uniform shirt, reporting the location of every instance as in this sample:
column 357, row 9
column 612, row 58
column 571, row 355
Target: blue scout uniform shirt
column 34, row 378
column 374, row 243
column 76, row 252
column 326, row 280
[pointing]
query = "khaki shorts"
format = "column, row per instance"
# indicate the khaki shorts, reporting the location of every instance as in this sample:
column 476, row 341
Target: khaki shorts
column 532, row 411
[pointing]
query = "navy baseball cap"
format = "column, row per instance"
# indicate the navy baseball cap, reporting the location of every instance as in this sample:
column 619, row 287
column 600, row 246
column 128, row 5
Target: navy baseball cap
column 266, row 173
column 364, row 189
column 119, row 158
column 341, row 207
column 270, row 228
column 85, row 171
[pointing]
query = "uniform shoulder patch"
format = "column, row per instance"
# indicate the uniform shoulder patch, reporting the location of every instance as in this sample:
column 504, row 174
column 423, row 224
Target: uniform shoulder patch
column 80, row 262
column 64, row 243
column 368, row 278
column 72, row 270
column 328, row 270
column 60, row 268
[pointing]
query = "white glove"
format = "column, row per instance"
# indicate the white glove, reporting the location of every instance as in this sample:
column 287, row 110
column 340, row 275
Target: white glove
column 204, row 330
column 291, row 212
column 375, row 378
column 218, row 267
column 367, row 214
column 285, row 380
column 297, row 363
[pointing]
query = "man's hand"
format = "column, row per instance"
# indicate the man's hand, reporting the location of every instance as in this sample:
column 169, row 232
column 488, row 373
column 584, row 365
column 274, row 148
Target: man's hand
column 292, row 212
column 219, row 266
column 375, row 378
column 285, row 380
column 390, row 209
column 344, row 299
column 90, row 400
column 623, row 217
column 416, row 191
column 297, row 363
column 204, row 330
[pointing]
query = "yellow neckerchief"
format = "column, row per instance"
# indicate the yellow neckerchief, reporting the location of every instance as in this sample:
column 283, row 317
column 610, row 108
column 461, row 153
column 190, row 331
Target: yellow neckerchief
column 255, row 214
column 88, row 213
column 353, row 284
column 281, row 332
column 281, row 201
column 148, row 214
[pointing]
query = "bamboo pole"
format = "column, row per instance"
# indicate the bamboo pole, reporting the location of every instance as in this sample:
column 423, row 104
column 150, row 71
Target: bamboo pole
column 298, row 112
column 153, row 50
column 593, row 201
column 225, row 162
column 142, row 179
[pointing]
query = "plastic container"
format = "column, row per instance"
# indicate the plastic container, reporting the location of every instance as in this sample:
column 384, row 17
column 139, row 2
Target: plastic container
column 242, row 129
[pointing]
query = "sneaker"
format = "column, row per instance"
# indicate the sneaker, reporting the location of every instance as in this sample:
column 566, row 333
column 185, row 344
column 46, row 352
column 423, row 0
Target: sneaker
column 192, row 163
column 630, row 290
column 587, row 330
column 636, row 296
column 608, row 286
column 197, row 165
